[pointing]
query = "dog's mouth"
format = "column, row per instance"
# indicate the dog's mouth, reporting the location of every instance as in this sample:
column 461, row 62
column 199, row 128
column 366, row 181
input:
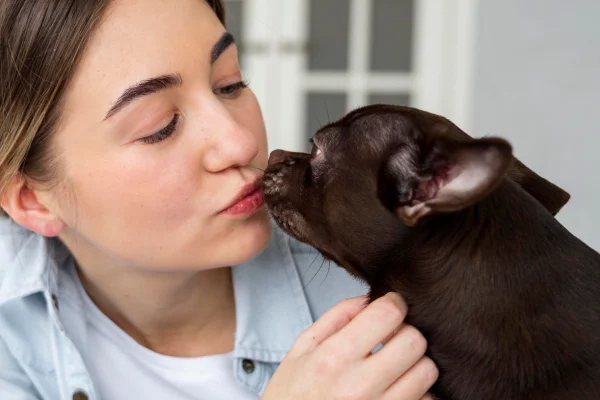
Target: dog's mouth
column 288, row 196
column 277, row 184
column 288, row 219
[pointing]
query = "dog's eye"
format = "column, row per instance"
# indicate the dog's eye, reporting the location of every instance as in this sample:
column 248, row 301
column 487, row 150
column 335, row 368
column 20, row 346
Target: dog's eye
column 316, row 152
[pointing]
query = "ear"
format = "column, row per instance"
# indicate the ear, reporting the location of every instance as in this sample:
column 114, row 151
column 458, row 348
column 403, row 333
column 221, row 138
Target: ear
column 22, row 204
column 446, row 176
column 551, row 196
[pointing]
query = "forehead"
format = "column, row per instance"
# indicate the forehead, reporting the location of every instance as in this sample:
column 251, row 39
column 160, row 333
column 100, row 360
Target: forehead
column 153, row 28
column 368, row 130
column 139, row 39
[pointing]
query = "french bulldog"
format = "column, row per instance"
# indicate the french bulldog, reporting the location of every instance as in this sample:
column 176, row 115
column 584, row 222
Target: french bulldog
column 507, row 298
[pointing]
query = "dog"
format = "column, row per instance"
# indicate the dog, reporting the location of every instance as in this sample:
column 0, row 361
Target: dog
column 507, row 298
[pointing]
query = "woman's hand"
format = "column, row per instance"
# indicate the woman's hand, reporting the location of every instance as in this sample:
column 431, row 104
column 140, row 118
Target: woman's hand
column 332, row 359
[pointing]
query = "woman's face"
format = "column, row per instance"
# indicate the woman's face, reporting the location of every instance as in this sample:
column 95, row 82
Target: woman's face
column 158, row 137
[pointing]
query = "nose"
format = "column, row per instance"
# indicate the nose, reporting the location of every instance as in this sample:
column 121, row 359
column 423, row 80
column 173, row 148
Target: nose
column 277, row 156
column 233, row 145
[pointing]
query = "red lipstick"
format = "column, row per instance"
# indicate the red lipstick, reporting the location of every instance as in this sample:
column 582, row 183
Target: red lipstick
column 247, row 201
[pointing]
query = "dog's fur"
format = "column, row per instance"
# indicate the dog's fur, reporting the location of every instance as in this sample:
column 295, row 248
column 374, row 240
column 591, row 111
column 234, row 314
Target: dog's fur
column 507, row 298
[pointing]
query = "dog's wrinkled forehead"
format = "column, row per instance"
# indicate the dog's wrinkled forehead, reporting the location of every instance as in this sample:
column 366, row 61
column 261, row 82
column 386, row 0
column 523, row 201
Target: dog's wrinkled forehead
column 367, row 132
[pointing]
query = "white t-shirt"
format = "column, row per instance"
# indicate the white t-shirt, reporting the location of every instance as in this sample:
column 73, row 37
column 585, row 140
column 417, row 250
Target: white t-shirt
column 121, row 368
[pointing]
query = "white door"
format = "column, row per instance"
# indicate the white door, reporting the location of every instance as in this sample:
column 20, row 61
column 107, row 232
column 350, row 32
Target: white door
column 311, row 61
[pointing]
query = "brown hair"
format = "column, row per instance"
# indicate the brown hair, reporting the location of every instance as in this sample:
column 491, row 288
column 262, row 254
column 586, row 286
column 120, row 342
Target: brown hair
column 41, row 43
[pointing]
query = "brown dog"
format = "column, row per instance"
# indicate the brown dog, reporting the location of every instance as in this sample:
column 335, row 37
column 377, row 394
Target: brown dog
column 507, row 298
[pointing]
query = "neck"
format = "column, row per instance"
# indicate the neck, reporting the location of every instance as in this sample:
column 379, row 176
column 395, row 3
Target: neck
column 185, row 314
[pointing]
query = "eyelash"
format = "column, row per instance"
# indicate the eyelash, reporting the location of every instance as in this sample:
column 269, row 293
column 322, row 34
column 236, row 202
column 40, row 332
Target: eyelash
column 164, row 133
column 230, row 91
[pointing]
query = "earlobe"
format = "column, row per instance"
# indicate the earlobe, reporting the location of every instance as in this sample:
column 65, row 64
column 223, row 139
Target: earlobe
column 22, row 204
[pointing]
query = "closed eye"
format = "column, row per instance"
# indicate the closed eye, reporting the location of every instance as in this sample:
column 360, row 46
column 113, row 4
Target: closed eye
column 316, row 152
column 233, row 90
column 164, row 133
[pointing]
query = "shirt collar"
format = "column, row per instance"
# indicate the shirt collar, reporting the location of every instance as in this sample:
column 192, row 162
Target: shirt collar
column 26, row 266
column 271, row 305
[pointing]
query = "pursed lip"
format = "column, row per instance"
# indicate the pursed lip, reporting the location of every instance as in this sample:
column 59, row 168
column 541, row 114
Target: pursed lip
column 246, row 191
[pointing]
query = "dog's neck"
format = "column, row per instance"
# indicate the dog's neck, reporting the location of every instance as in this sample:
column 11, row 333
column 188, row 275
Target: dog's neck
column 506, row 236
column 485, row 279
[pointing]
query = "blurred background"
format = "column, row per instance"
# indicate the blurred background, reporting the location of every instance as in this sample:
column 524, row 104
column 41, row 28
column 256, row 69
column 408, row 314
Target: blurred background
column 525, row 70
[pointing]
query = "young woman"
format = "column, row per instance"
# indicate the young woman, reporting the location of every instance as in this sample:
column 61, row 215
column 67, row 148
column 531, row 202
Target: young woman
column 130, row 152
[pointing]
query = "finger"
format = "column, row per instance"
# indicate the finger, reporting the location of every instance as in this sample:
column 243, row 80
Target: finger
column 391, row 335
column 329, row 323
column 369, row 328
column 398, row 356
column 415, row 383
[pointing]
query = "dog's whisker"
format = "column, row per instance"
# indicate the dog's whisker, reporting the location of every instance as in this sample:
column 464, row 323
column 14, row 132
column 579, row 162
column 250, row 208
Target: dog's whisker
column 327, row 274
column 327, row 109
column 314, row 259
column 315, row 275
column 258, row 168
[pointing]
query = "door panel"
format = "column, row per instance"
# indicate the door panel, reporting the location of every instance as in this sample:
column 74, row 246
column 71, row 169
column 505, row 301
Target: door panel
column 310, row 61
column 328, row 43
column 392, row 35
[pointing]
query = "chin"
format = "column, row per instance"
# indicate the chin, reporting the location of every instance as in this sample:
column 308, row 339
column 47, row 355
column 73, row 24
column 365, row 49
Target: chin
column 249, row 238
column 242, row 241
column 236, row 243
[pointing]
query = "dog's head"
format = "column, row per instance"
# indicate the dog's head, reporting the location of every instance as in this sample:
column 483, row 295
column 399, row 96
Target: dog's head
column 382, row 163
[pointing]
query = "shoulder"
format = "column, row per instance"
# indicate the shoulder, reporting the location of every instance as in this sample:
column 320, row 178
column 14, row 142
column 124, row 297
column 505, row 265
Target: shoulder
column 24, row 349
column 12, row 238
column 324, row 282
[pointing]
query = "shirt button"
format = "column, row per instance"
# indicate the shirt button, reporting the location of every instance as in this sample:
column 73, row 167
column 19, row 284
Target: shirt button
column 55, row 301
column 248, row 366
column 80, row 395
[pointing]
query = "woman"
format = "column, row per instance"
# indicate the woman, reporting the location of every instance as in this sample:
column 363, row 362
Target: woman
column 130, row 152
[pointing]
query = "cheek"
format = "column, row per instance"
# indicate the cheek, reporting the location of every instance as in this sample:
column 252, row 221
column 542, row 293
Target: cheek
column 163, row 185
column 142, row 185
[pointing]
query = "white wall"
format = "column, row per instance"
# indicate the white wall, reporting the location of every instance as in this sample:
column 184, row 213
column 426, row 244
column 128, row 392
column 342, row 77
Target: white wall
column 537, row 83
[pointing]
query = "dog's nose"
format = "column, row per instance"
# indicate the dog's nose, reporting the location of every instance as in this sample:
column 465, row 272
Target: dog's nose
column 277, row 156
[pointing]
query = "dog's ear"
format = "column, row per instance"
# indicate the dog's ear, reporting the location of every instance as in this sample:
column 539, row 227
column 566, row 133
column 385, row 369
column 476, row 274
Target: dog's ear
column 551, row 196
column 442, row 176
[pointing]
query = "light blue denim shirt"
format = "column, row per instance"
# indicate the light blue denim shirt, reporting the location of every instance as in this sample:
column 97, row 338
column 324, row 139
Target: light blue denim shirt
column 278, row 294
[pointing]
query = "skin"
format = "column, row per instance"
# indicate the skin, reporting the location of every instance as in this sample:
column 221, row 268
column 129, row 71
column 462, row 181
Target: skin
column 150, row 213
column 116, row 186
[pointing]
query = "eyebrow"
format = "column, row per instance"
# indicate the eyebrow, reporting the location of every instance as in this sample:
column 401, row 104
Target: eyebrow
column 159, row 83
column 222, row 44
column 144, row 88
